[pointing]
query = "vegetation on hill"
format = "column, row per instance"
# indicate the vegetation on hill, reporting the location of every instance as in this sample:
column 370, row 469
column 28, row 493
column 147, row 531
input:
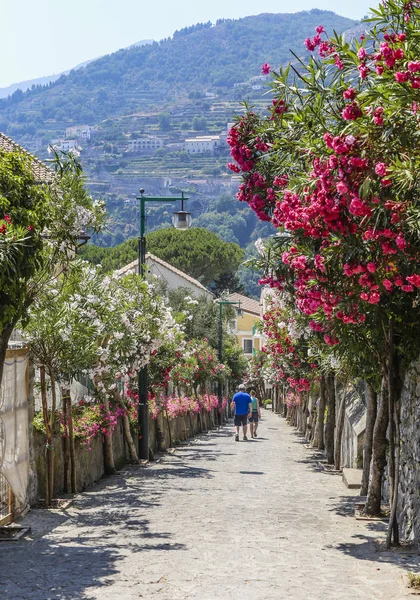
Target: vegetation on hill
column 193, row 59
column 189, row 84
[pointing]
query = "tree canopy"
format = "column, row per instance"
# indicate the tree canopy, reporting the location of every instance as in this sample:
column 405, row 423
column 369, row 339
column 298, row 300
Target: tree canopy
column 197, row 252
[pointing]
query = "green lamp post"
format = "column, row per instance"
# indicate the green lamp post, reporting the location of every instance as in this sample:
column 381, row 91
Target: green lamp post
column 222, row 303
column 181, row 220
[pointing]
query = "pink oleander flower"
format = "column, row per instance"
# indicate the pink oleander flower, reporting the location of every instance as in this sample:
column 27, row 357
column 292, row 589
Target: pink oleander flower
column 341, row 188
column 265, row 69
column 350, row 93
column 380, row 169
column 378, row 116
column 374, row 298
column 414, row 280
column 401, row 242
column 338, row 62
column 414, row 66
column 402, row 77
column 309, row 44
column 234, row 167
column 351, row 112
column 386, row 183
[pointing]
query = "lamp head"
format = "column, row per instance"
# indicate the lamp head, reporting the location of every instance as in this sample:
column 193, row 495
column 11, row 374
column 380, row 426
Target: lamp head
column 181, row 220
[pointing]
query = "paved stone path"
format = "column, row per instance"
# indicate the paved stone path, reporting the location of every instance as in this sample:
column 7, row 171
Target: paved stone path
column 217, row 519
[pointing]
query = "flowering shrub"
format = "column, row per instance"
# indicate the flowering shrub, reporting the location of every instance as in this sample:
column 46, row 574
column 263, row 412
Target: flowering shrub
column 90, row 420
column 335, row 166
column 197, row 365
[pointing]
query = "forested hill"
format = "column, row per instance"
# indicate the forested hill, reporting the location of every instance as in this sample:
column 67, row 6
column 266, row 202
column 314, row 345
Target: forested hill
column 193, row 59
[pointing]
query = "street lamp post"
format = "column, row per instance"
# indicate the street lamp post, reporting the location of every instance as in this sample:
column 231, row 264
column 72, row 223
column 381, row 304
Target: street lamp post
column 181, row 220
column 220, row 347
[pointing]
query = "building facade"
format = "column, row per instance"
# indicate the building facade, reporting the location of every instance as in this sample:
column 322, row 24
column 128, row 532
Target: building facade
column 245, row 327
column 203, row 144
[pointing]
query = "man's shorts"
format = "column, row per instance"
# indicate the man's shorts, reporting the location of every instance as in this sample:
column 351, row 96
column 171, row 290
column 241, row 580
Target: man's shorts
column 241, row 420
column 254, row 417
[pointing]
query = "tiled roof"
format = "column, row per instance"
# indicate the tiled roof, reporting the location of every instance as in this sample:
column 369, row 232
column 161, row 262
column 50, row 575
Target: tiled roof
column 39, row 169
column 133, row 266
column 248, row 305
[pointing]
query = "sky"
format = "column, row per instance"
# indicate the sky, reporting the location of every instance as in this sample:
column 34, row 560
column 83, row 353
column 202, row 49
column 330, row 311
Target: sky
column 42, row 37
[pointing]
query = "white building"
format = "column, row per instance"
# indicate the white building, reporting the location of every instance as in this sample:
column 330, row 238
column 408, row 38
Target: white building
column 67, row 146
column 173, row 277
column 79, row 132
column 145, row 144
column 202, row 144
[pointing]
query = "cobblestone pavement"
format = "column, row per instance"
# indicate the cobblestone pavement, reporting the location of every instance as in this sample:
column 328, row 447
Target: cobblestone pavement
column 217, row 519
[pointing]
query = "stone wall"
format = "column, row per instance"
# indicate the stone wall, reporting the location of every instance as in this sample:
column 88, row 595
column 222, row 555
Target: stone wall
column 163, row 434
column 409, row 490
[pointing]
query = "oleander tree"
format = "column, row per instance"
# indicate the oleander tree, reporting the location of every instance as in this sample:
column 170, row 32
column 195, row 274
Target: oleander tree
column 40, row 223
column 106, row 328
column 335, row 166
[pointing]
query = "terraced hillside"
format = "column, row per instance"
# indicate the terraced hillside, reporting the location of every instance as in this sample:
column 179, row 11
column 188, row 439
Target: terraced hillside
column 188, row 85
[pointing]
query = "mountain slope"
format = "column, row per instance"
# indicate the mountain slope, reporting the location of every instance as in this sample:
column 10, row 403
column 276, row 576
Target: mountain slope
column 195, row 58
column 45, row 81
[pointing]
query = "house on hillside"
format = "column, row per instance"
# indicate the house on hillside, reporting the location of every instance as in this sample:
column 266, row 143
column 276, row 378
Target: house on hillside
column 245, row 328
column 203, row 144
column 145, row 144
column 79, row 132
column 67, row 146
column 173, row 277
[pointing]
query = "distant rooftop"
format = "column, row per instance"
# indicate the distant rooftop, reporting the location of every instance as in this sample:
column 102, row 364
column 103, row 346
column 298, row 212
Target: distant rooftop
column 133, row 267
column 249, row 305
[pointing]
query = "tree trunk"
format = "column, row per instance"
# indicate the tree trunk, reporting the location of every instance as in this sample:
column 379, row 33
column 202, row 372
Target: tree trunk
column 66, row 444
column 321, row 414
column 371, row 410
column 379, row 448
column 52, row 430
column 71, row 446
column 48, row 436
column 132, row 450
column 330, row 424
column 169, row 428
column 340, row 428
column 109, row 463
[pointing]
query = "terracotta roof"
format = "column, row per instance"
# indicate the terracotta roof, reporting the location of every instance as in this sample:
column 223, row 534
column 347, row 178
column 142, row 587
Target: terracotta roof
column 133, row 266
column 248, row 305
column 43, row 173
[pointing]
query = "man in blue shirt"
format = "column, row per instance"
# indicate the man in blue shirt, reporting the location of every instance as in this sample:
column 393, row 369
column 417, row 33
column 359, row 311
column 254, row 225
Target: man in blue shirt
column 242, row 403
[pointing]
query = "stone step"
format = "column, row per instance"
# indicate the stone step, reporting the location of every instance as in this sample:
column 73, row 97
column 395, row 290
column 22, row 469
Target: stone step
column 352, row 478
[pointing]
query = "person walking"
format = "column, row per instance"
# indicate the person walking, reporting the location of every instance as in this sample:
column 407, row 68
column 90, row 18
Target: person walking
column 242, row 405
column 255, row 416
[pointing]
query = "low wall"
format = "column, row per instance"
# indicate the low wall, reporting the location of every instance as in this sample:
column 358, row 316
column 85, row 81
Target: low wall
column 163, row 434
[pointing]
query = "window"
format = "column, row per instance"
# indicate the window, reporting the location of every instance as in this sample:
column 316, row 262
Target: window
column 248, row 346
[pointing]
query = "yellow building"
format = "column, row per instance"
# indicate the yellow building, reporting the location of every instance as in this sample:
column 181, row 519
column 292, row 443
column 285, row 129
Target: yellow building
column 245, row 324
